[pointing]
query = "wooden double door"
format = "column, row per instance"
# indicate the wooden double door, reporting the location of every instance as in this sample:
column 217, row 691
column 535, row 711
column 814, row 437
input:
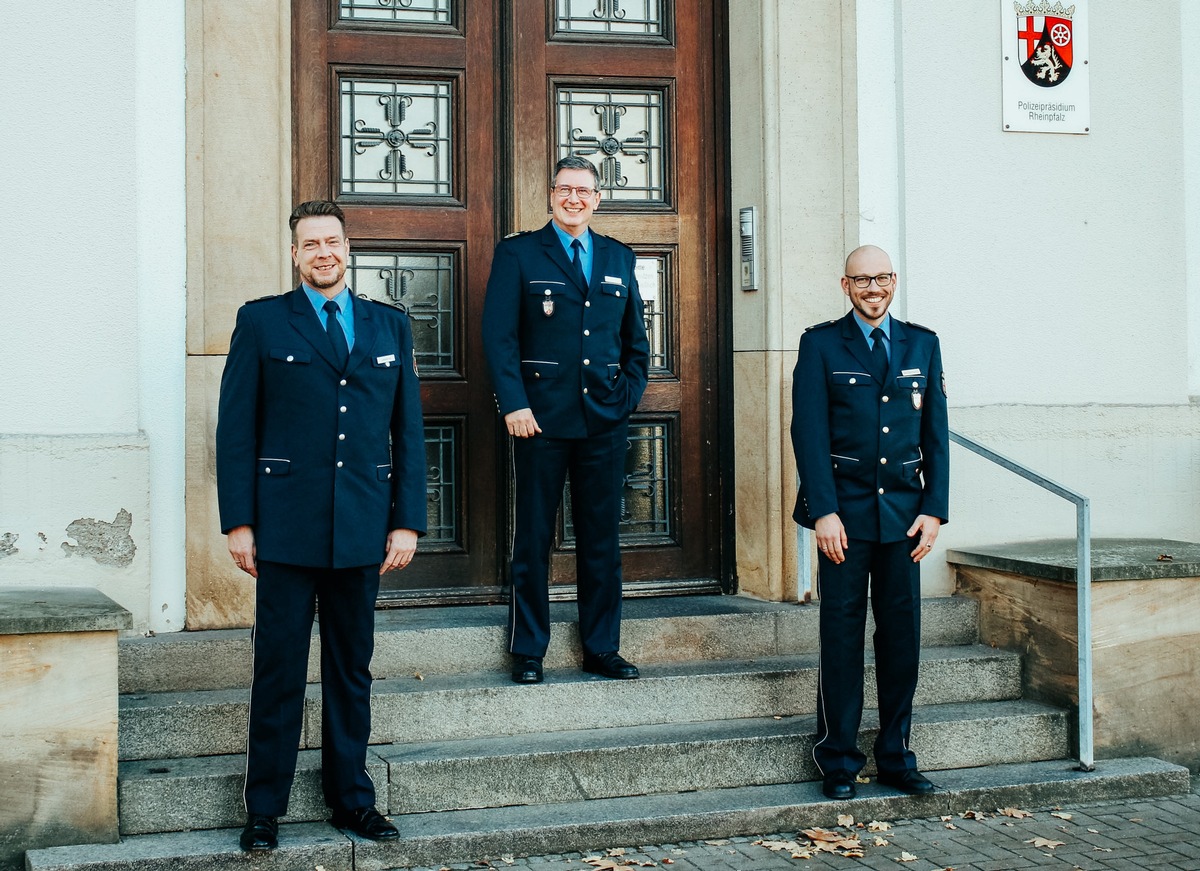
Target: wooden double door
column 435, row 125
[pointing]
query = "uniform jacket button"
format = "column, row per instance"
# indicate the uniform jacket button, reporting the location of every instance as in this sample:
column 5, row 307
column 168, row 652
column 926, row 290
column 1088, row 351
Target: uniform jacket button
column 339, row 464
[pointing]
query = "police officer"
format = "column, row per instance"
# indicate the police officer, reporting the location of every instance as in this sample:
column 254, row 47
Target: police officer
column 321, row 487
column 567, row 348
column 872, row 451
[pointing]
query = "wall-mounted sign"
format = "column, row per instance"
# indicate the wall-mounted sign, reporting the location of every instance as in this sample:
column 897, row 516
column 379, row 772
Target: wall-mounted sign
column 1045, row 51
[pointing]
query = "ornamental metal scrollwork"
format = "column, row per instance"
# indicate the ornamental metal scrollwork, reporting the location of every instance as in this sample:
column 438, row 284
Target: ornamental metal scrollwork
column 608, row 10
column 395, row 165
column 631, row 167
column 637, row 146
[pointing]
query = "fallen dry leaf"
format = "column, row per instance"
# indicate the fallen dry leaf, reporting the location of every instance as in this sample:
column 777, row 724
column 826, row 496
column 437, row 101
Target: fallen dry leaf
column 947, row 818
column 1094, row 831
column 777, row 717
column 973, row 815
column 861, row 779
column 906, row 857
column 668, row 861
column 846, row 820
column 615, row 851
column 602, row 863
column 823, row 835
column 508, row 860
column 853, row 854
column 1060, row 815
column 719, row 842
column 951, row 826
column 1165, row 558
column 881, row 841
column 879, row 826
column 1015, row 812
column 1135, row 819
column 1101, row 849
column 418, row 675
column 1045, row 842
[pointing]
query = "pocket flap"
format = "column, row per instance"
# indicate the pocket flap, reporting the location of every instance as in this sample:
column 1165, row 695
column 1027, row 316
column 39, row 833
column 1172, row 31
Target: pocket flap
column 290, row 356
column 384, row 361
column 539, row 369
column 384, row 472
column 910, row 382
column 546, row 287
column 851, row 379
column 273, row 466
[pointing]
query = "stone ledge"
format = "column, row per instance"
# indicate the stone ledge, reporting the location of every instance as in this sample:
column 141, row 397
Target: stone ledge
column 1113, row 559
column 40, row 610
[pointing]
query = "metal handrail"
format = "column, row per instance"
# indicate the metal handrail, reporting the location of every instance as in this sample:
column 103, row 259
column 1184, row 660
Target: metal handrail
column 1083, row 582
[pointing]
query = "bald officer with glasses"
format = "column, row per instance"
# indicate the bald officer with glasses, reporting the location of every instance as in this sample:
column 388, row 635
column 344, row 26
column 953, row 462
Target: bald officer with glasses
column 872, row 446
column 566, row 344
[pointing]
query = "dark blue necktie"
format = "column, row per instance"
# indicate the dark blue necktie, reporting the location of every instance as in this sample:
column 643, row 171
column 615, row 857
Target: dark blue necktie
column 579, row 276
column 879, row 358
column 337, row 336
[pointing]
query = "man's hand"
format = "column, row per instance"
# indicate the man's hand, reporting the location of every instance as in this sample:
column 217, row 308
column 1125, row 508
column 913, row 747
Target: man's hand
column 401, row 545
column 521, row 424
column 241, row 547
column 831, row 537
column 928, row 528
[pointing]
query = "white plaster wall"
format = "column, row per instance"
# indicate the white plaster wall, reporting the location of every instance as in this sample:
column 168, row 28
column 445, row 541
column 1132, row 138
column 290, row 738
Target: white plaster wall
column 1055, row 269
column 1050, row 264
column 1190, row 36
column 91, row 415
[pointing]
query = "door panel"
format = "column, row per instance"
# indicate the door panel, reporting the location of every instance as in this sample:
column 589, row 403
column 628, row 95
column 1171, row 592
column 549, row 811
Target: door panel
column 629, row 86
column 434, row 124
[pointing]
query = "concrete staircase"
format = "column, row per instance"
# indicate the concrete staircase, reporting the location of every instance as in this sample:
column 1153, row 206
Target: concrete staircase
column 714, row 740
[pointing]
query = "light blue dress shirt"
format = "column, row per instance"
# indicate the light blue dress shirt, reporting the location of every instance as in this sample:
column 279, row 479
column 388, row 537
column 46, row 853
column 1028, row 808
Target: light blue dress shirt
column 585, row 255
column 345, row 302
column 885, row 325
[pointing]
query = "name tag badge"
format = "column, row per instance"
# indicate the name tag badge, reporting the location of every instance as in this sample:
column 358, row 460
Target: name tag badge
column 386, row 360
column 904, row 373
column 608, row 279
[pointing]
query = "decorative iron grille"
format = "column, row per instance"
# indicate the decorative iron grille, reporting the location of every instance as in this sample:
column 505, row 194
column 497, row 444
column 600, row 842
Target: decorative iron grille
column 609, row 18
column 399, row 12
column 423, row 283
column 441, row 488
column 396, row 138
column 623, row 133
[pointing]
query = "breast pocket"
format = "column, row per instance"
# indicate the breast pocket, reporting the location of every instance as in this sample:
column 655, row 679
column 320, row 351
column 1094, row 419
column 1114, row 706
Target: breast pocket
column 292, row 356
column 913, row 387
column 615, row 290
column 536, row 370
column 387, row 360
column 850, row 379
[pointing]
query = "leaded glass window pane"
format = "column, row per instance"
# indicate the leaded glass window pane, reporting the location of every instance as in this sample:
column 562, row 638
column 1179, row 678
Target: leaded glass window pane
column 396, row 138
column 423, row 282
column 622, row 132
column 396, row 11
column 647, row 503
column 442, row 449
column 609, row 17
column 654, row 285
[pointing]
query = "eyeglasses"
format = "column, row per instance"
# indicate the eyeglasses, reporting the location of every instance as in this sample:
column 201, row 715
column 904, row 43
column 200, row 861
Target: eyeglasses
column 861, row 281
column 565, row 190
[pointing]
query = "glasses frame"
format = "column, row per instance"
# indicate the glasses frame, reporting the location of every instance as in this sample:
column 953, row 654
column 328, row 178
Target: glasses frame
column 862, row 282
column 558, row 189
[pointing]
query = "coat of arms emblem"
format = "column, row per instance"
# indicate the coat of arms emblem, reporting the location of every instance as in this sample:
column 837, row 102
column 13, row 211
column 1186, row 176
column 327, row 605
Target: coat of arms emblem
column 1044, row 41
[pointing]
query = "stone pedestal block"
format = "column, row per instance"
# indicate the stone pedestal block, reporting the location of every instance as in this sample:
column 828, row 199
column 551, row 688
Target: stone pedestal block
column 58, row 718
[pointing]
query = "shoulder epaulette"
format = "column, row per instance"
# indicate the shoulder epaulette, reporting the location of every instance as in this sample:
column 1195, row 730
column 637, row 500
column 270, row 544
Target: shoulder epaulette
column 391, row 306
column 518, row 233
column 263, row 298
column 822, row 324
column 919, row 327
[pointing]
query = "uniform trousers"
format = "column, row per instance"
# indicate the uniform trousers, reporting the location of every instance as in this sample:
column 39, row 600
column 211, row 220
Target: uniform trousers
column 895, row 597
column 285, row 601
column 596, row 466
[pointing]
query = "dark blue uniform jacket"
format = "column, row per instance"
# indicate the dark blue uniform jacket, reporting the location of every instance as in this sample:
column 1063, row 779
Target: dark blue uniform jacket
column 321, row 463
column 876, row 454
column 576, row 356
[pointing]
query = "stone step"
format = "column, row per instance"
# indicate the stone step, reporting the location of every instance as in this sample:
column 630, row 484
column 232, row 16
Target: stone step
column 543, row 768
column 465, row 836
column 457, row 706
column 438, row 641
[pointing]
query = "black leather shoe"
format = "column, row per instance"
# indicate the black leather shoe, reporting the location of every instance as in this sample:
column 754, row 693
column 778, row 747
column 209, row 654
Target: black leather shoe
column 366, row 822
column 910, row 781
column 261, row 834
column 527, row 669
column 839, row 786
column 609, row 665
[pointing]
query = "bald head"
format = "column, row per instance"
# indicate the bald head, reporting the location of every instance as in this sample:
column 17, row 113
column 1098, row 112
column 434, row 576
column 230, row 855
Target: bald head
column 867, row 254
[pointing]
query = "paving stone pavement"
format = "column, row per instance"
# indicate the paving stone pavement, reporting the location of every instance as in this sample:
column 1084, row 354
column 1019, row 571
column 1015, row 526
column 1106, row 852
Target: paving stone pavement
column 1136, row 835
